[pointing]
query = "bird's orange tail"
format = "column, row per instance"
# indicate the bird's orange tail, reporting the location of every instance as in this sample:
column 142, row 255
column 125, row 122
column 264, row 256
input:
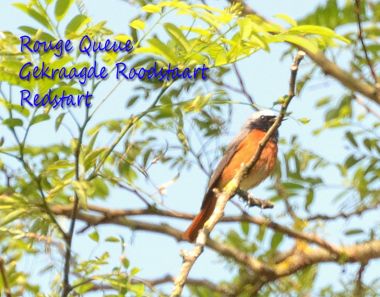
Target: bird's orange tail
column 207, row 209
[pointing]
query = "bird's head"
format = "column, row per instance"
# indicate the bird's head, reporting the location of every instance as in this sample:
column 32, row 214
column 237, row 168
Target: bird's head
column 261, row 120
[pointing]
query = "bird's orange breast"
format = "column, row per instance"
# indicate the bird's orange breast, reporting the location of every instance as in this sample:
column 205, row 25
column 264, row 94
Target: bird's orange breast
column 244, row 153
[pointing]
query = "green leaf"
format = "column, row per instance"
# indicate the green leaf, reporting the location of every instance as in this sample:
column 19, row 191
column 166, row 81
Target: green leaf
column 163, row 50
column 58, row 121
column 11, row 123
column 15, row 107
column 309, row 198
column 318, row 30
column 123, row 38
column 245, row 27
column 245, row 228
column 60, row 164
column 150, row 8
column 57, row 189
column 91, row 157
column 61, row 8
column 292, row 186
column 39, row 118
column 354, row 232
column 10, row 217
column 137, row 24
column 276, row 240
column 94, row 236
column 286, row 18
column 76, row 24
column 368, row 143
column 81, row 189
column 42, row 19
column 37, row 33
column 351, row 161
column 112, row 239
column 125, row 262
column 138, row 290
column 301, row 41
column 351, row 138
column 304, row 120
column 323, row 101
column 134, row 271
column 177, row 35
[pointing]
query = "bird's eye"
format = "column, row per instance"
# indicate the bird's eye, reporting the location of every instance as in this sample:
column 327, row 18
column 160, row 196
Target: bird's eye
column 262, row 117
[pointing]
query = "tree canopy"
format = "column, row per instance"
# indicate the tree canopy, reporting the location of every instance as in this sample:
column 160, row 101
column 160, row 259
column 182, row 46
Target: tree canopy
column 95, row 170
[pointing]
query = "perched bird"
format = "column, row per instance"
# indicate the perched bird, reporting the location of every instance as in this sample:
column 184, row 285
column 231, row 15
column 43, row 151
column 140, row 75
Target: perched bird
column 242, row 148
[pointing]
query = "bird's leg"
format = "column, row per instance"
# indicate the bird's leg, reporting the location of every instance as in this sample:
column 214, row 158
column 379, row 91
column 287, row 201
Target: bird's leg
column 253, row 201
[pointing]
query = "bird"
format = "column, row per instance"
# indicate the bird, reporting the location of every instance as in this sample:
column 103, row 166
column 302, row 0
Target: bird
column 240, row 151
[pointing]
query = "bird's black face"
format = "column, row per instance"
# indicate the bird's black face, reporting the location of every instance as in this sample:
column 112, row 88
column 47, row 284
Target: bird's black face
column 263, row 123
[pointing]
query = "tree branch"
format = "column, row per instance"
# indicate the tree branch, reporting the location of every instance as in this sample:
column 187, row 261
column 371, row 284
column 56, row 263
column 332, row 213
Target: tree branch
column 359, row 290
column 367, row 107
column 242, row 86
column 152, row 283
column 361, row 38
column 344, row 215
column 362, row 252
column 4, row 278
column 116, row 216
column 253, row 201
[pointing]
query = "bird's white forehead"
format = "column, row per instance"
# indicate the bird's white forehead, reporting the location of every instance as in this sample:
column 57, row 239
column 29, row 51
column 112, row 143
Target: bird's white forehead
column 264, row 112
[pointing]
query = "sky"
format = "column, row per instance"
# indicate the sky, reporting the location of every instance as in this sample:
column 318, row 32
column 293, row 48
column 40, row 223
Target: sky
column 266, row 78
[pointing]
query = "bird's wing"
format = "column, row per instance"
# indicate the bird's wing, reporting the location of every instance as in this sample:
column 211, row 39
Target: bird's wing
column 228, row 154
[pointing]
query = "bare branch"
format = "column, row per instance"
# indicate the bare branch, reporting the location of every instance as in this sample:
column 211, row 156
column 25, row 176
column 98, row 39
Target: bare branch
column 361, row 38
column 361, row 252
column 116, row 216
column 307, row 237
column 344, row 215
column 368, row 108
column 230, row 252
column 191, row 281
column 359, row 292
column 253, row 201
column 299, row 259
column 243, row 88
column 153, row 283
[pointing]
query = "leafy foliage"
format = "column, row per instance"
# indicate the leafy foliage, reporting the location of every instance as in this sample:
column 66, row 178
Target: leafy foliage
column 175, row 125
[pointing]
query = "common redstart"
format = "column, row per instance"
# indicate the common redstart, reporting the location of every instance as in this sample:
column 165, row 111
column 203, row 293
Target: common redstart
column 238, row 152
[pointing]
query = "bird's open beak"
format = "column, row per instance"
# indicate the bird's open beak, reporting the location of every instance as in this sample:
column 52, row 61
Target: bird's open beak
column 272, row 119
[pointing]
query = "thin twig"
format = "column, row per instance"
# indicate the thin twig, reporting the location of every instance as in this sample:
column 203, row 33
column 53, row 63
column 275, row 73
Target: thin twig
column 189, row 258
column 243, row 88
column 369, row 109
column 361, row 38
column 359, row 292
column 344, row 215
column 253, row 201
column 4, row 278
